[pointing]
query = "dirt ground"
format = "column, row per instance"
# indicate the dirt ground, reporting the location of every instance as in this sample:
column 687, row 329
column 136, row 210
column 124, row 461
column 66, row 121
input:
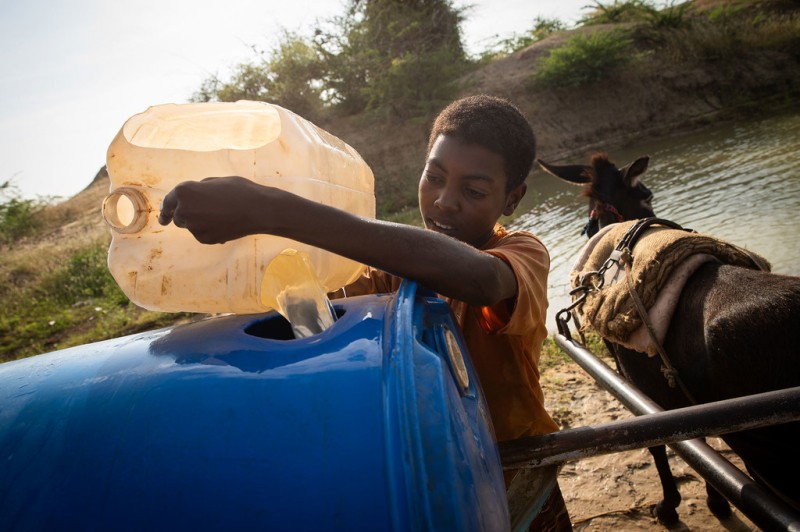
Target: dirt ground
column 617, row 491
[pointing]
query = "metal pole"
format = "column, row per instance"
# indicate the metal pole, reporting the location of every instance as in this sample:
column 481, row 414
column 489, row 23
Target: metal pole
column 721, row 417
column 764, row 509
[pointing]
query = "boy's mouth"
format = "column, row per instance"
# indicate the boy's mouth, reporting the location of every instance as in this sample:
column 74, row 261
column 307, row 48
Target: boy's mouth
column 442, row 226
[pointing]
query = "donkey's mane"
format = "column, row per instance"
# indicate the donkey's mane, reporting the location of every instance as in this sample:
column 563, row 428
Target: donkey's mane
column 599, row 160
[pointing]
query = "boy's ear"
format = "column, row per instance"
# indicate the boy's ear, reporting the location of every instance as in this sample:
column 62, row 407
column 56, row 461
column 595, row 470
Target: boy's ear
column 513, row 198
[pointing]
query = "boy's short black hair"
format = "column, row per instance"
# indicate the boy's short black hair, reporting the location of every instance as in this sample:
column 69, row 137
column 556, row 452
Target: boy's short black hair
column 495, row 124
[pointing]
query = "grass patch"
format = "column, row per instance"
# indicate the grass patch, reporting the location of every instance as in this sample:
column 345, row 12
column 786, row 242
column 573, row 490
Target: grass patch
column 730, row 38
column 672, row 16
column 553, row 356
column 19, row 217
column 617, row 12
column 84, row 277
column 673, row 34
column 60, row 303
column 23, row 218
column 585, row 59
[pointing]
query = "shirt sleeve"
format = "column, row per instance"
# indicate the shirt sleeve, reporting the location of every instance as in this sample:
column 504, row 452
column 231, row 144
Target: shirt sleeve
column 530, row 262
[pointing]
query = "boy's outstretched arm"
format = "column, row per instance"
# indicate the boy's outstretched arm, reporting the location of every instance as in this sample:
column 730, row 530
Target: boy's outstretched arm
column 217, row 210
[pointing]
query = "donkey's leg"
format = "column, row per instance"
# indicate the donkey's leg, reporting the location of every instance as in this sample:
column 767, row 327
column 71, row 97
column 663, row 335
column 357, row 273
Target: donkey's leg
column 718, row 504
column 665, row 510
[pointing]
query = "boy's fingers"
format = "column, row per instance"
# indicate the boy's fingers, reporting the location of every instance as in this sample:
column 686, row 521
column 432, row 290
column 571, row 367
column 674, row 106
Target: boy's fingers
column 167, row 209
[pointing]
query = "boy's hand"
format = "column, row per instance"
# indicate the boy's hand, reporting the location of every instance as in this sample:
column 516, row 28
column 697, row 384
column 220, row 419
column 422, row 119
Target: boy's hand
column 215, row 210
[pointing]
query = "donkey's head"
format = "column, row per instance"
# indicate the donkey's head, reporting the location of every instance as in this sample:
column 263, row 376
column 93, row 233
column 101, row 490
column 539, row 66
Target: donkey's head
column 615, row 194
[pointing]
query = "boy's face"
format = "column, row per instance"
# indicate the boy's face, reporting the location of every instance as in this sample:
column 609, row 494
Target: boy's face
column 462, row 192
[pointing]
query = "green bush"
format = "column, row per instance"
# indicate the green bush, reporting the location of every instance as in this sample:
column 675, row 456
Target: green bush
column 617, row 12
column 672, row 16
column 727, row 39
column 289, row 75
column 585, row 59
column 726, row 12
column 85, row 276
column 18, row 217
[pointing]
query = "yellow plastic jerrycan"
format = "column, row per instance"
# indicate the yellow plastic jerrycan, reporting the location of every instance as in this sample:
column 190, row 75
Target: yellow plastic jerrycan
column 165, row 268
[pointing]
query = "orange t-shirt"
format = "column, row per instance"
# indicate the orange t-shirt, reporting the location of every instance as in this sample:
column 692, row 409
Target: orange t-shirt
column 504, row 341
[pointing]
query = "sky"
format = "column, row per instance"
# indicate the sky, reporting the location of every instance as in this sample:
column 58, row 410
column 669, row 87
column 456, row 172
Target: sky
column 74, row 72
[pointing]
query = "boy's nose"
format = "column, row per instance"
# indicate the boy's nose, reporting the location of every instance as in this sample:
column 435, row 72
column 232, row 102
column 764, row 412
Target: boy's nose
column 446, row 201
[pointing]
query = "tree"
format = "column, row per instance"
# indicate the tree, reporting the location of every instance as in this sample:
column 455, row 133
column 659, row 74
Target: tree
column 396, row 55
column 290, row 76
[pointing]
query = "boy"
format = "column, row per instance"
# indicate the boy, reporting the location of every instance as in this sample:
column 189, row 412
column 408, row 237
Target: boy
column 480, row 151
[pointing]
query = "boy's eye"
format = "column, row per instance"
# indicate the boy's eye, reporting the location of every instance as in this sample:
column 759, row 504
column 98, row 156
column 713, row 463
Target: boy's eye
column 475, row 193
column 435, row 179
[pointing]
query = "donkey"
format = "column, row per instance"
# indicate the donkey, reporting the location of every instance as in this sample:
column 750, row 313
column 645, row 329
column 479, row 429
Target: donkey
column 733, row 333
column 615, row 194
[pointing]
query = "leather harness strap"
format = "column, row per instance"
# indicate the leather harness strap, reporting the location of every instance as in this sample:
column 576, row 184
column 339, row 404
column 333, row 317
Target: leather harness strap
column 600, row 206
column 625, row 247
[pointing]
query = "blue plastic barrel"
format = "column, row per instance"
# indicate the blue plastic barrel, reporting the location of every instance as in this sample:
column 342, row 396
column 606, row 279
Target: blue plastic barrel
column 378, row 423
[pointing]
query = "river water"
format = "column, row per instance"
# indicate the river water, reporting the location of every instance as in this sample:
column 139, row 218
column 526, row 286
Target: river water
column 739, row 182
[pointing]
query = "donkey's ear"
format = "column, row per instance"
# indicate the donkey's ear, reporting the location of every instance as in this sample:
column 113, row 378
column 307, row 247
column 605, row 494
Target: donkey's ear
column 573, row 173
column 632, row 171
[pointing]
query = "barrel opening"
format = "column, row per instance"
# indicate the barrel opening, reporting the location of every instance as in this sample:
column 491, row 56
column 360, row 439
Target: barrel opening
column 276, row 327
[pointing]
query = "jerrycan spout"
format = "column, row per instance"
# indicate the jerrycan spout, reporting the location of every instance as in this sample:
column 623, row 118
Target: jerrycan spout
column 291, row 286
column 126, row 210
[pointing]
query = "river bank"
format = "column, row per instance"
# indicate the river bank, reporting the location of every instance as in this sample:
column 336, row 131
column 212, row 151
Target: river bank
column 676, row 81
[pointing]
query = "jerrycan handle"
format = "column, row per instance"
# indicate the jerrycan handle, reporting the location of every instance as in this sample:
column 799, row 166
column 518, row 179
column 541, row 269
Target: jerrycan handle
column 126, row 210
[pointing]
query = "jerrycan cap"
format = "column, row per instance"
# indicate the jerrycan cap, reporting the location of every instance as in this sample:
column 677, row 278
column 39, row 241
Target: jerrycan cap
column 125, row 210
